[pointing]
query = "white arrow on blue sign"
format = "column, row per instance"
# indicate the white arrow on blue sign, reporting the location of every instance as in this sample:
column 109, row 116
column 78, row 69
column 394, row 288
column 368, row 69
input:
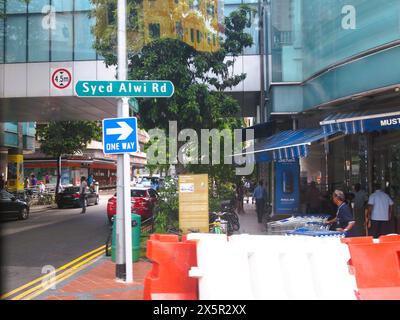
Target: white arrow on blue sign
column 120, row 136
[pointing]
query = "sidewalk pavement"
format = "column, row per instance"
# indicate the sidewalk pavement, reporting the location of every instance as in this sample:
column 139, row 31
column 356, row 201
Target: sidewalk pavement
column 97, row 282
column 249, row 222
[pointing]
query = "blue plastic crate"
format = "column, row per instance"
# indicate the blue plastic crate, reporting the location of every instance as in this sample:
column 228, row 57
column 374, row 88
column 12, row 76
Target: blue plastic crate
column 312, row 233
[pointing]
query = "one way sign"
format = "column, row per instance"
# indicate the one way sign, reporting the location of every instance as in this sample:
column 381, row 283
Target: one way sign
column 120, row 135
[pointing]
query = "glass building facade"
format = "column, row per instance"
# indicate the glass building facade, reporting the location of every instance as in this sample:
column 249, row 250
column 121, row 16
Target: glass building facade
column 60, row 30
column 311, row 35
column 46, row 30
column 254, row 30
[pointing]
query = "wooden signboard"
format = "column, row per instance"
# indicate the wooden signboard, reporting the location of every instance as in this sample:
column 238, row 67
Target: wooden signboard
column 193, row 203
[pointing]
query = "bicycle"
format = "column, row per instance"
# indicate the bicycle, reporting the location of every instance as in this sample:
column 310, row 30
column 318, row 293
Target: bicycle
column 231, row 216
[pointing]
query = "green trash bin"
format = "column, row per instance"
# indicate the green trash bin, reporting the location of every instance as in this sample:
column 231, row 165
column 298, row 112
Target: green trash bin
column 136, row 221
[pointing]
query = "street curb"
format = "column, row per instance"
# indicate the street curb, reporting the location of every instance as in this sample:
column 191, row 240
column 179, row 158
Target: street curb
column 41, row 209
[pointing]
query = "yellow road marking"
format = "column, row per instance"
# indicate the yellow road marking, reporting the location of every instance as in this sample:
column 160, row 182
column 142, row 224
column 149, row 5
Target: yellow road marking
column 65, row 275
column 6, row 295
column 57, row 279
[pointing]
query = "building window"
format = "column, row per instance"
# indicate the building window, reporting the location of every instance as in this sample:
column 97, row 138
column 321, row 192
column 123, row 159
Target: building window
column 84, row 39
column 192, row 35
column 16, row 38
column 64, row 5
column 83, row 5
column 62, row 38
column 154, row 30
column 38, row 6
column 15, row 6
column 38, row 39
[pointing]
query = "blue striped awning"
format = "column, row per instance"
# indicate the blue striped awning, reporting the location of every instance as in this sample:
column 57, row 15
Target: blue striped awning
column 288, row 145
column 361, row 122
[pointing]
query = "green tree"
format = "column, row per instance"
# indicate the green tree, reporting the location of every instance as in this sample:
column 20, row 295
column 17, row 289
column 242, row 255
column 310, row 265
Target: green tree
column 66, row 138
column 200, row 78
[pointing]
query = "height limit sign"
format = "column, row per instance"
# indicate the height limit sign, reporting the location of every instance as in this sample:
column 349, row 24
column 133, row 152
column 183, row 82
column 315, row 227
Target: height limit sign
column 61, row 78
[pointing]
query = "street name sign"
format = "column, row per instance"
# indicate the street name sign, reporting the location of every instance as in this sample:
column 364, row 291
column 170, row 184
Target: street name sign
column 138, row 89
column 120, row 136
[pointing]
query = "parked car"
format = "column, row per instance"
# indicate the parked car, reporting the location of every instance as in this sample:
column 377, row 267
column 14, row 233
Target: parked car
column 143, row 201
column 11, row 207
column 69, row 197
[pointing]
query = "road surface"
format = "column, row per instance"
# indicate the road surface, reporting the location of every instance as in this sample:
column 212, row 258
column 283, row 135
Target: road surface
column 49, row 238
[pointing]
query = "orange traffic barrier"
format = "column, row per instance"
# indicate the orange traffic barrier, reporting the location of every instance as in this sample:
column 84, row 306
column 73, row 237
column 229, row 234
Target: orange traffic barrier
column 376, row 266
column 169, row 277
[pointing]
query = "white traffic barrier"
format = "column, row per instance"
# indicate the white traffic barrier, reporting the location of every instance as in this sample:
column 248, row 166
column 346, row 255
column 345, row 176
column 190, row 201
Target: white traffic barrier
column 222, row 269
column 272, row 268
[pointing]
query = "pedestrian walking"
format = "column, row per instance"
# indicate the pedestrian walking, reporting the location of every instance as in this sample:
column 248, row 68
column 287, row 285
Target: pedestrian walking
column 33, row 180
column 82, row 193
column 42, row 187
column 344, row 221
column 360, row 201
column 247, row 190
column 260, row 195
column 26, row 183
column 240, row 198
column 379, row 213
column 47, row 178
column 2, row 182
column 90, row 181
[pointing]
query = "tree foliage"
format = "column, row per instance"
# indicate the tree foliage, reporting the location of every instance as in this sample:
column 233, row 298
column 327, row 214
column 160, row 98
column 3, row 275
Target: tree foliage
column 66, row 138
column 200, row 78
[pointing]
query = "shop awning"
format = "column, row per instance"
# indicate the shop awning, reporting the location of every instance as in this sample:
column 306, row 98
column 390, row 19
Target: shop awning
column 361, row 122
column 287, row 145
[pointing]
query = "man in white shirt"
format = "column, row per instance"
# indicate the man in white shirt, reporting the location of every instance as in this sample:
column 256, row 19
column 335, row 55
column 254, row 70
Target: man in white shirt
column 82, row 193
column 379, row 213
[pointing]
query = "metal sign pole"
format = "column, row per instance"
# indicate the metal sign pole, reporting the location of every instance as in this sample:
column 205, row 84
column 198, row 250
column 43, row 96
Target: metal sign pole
column 123, row 221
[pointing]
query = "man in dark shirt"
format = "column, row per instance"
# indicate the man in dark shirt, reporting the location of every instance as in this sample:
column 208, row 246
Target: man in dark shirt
column 344, row 218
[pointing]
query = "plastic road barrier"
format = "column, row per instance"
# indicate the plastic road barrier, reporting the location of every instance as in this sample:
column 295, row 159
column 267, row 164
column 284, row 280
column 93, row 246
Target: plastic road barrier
column 376, row 266
column 272, row 267
column 169, row 277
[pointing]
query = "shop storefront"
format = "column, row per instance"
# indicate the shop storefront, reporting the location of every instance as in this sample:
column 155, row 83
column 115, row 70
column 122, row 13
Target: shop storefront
column 347, row 149
column 369, row 154
column 104, row 172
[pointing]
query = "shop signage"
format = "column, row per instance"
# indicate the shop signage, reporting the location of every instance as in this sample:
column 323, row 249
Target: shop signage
column 138, row 89
column 386, row 123
column 287, row 187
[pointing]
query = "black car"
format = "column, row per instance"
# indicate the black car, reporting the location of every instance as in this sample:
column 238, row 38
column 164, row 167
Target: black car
column 11, row 207
column 70, row 198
